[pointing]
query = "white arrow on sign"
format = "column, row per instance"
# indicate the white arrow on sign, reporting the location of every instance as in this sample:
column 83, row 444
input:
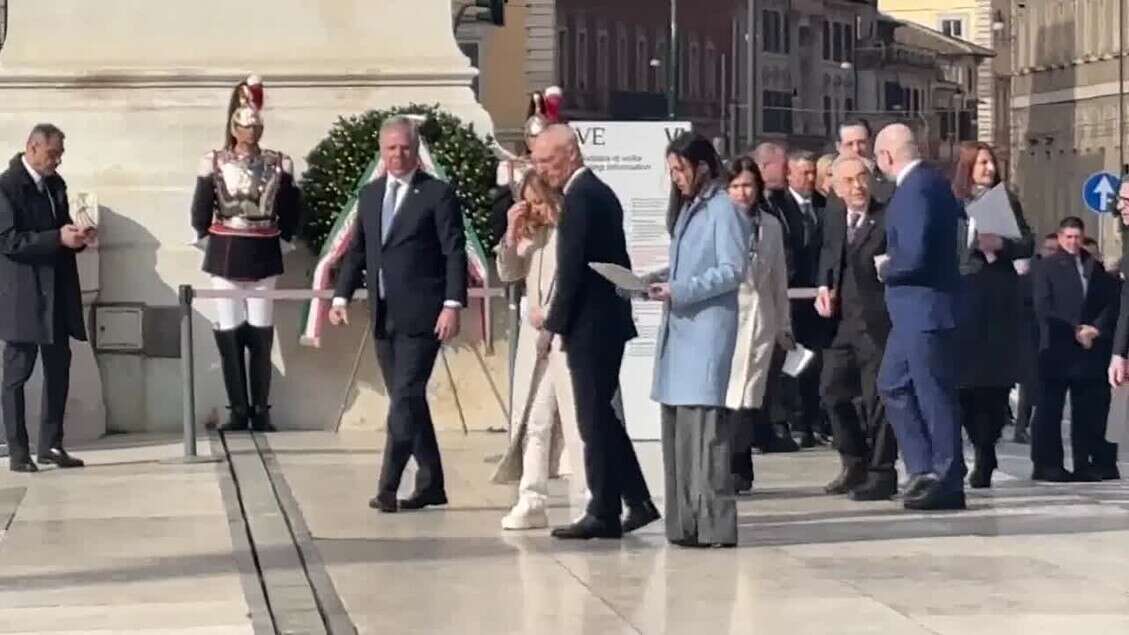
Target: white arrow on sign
column 1104, row 190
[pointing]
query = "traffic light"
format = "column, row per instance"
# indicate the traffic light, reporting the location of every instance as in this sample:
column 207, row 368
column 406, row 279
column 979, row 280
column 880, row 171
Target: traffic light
column 496, row 11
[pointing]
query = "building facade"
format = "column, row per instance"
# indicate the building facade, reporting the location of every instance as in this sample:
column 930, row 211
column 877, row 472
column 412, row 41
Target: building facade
column 1067, row 104
column 975, row 21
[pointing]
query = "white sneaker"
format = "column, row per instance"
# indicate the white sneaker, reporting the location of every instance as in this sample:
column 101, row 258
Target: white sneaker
column 524, row 516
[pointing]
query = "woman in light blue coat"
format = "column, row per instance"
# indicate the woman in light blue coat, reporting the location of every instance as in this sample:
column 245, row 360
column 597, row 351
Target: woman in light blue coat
column 708, row 256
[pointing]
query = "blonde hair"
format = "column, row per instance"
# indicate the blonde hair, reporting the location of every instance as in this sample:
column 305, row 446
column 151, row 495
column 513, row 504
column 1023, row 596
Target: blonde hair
column 550, row 196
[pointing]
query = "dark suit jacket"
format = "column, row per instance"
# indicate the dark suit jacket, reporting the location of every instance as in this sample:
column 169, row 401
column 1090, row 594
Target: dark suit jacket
column 802, row 238
column 585, row 310
column 839, row 258
column 1121, row 334
column 922, row 276
column 423, row 260
column 38, row 275
column 1061, row 308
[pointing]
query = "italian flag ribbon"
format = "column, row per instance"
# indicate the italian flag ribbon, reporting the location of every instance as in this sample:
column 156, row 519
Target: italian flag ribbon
column 341, row 237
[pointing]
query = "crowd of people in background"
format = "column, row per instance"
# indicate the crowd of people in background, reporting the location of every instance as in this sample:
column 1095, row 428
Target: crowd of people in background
column 922, row 326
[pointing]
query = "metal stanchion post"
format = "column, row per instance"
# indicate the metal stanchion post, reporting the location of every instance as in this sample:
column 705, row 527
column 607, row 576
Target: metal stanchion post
column 188, row 379
column 188, row 370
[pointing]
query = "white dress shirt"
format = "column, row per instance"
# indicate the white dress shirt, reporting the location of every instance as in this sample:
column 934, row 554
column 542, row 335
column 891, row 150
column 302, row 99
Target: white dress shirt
column 572, row 179
column 405, row 184
column 40, row 184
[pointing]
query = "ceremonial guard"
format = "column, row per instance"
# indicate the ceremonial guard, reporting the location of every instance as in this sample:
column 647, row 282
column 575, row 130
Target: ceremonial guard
column 245, row 211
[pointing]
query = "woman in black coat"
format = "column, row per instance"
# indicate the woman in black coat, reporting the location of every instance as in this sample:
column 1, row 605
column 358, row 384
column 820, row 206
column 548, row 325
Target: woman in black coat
column 990, row 334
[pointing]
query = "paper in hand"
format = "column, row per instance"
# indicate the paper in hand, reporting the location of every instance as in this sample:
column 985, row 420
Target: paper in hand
column 621, row 277
column 992, row 214
column 797, row 361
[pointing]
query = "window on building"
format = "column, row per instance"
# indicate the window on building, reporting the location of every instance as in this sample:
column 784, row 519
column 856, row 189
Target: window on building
column 622, row 66
column 848, row 43
column 777, row 111
column 774, row 32
column 642, row 62
column 849, row 105
column 661, row 69
column 952, row 27
column 827, row 124
column 603, row 60
column 582, row 59
column 827, row 40
column 711, row 70
column 683, row 65
column 563, row 50
column 695, row 70
column 837, row 31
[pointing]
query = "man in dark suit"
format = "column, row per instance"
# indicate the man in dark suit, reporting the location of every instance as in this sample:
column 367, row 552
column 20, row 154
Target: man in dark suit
column 409, row 239
column 782, row 398
column 594, row 324
column 1076, row 304
column 40, row 296
column 918, row 377
column 851, row 294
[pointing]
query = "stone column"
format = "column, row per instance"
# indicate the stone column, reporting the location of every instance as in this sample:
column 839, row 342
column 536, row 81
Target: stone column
column 141, row 90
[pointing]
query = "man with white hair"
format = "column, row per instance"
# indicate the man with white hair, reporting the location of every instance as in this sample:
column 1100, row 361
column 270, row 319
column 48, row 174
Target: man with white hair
column 850, row 295
column 410, row 242
column 918, row 378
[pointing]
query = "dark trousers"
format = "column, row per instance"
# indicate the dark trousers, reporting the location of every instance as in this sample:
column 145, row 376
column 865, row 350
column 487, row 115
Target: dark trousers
column 609, row 458
column 406, row 363
column 745, row 426
column 19, row 362
column 917, row 382
column 802, row 393
column 1025, row 408
column 983, row 414
column 850, row 373
column 1089, row 409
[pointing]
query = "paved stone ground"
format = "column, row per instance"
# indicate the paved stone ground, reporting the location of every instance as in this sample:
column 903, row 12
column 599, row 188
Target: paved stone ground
column 128, row 544
column 1025, row 558
column 280, row 540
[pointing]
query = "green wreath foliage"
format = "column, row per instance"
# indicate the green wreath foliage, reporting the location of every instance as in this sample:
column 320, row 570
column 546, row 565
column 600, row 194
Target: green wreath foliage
column 336, row 165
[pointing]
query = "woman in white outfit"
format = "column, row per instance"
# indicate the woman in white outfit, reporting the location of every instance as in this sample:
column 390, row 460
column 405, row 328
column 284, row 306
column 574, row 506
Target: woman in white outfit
column 543, row 417
column 764, row 314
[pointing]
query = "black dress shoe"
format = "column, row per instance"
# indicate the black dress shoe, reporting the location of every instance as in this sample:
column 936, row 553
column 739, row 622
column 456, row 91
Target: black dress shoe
column 918, row 484
column 742, row 485
column 640, row 516
column 1086, row 474
column 1052, row 474
column 22, row 465
column 879, row 486
column 934, row 499
column 384, row 503
column 419, row 501
column 781, row 441
column 809, row 440
column 980, row 478
column 60, row 458
column 851, row 476
column 1108, row 472
column 589, row 527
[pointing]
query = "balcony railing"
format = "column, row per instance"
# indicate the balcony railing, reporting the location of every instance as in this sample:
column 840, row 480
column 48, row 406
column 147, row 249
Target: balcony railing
column 882, row 54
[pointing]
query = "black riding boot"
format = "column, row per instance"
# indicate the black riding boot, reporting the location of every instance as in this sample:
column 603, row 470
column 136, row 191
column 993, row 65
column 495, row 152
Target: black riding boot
column 260, row 340
column 230, row 345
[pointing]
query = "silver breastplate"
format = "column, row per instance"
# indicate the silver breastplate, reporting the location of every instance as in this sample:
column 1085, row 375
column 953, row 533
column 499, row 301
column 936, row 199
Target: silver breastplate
column 247, row 187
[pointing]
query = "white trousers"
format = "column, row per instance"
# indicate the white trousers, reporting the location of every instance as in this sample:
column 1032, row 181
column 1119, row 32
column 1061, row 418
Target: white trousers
column 231, row 312
column 552, row 404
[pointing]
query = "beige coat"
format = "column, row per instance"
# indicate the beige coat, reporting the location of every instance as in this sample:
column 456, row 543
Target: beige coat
column 764, row 316
column 536, row 262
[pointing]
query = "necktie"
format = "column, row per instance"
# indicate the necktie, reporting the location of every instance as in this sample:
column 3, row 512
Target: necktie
column 389, row 212
column 853, row 219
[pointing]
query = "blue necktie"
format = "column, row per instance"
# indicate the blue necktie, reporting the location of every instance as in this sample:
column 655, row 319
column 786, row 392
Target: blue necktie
column 389, row 211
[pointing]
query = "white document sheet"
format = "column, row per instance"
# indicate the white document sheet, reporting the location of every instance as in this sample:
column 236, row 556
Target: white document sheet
column 621, row 277
column 992, row 214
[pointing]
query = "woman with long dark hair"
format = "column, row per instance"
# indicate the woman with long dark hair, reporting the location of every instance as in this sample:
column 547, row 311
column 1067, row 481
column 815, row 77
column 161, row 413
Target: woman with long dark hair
column 991, row 363
column 764, row 316
column 708, row 256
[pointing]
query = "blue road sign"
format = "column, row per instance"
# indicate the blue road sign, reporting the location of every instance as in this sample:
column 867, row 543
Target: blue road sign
column 1100, row 191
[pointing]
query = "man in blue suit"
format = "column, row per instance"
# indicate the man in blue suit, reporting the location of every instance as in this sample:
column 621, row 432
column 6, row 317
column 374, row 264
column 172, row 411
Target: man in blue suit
column 918, row 378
